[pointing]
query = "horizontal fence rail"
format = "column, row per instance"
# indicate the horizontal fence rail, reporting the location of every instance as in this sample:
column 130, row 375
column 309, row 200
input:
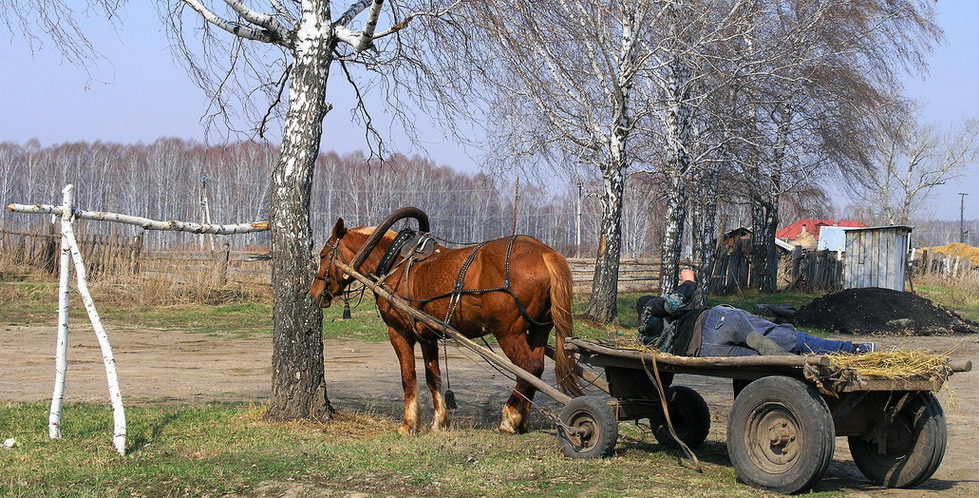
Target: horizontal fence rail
column 115, row 254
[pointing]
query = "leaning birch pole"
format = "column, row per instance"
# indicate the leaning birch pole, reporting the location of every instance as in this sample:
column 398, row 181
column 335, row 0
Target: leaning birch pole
column 61, row 350
column 145, row 223
column 115, row 395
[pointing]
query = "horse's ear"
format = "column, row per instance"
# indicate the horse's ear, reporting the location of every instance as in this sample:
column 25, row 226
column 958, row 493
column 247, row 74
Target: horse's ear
column 339, row 230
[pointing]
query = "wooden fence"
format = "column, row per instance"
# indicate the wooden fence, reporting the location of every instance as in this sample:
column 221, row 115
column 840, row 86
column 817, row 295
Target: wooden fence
column 929, row 262
column 813, row 271
column 104, row 254
column 635, row 275
column 731, row 268
column 113, row 255
column 808, row 271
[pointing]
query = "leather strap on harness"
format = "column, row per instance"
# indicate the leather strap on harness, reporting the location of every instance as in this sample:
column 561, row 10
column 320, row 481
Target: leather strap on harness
column 455, row 295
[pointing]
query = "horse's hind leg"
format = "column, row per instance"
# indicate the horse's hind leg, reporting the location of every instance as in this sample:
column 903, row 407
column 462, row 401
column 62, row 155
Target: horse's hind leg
column 433, row 377
column 405, row 349
column 530, row 357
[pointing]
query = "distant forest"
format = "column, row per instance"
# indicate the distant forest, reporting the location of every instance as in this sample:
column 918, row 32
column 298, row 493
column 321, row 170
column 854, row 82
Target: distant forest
column 164, row 181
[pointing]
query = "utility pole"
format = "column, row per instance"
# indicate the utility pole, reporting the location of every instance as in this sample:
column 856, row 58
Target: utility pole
column 516, row 202
column 962, row 231
column 577, row 223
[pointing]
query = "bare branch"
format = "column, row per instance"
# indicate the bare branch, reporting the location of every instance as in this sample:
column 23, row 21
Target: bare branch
column 234, row 28
column 410, row 17
column 266, row 21
column 352, row 12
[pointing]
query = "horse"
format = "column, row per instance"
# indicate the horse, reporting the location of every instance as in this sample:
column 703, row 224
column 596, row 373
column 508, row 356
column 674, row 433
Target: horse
column 515, row 288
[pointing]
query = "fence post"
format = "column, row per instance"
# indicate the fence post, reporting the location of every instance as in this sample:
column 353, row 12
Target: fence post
column 225, row 256
column 134, row 252
column 61, row 351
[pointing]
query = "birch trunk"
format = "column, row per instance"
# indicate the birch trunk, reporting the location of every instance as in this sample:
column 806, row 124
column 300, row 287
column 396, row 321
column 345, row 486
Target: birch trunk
column 115, row 394
column 759, row 251
column 61, row 350
column 676, row 209
column 704, row 230
column 602, row 306
column 298, row 380
column 679, row 132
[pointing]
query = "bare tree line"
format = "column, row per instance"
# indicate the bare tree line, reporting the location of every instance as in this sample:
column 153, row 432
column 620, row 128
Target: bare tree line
column 166, row 179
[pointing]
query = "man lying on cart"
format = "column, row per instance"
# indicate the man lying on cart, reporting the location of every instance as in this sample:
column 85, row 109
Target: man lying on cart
column 671, row 325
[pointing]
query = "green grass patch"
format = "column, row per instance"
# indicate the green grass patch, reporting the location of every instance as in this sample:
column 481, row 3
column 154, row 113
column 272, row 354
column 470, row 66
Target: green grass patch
column 215, row 449
column 964, row 301
column 365, row 323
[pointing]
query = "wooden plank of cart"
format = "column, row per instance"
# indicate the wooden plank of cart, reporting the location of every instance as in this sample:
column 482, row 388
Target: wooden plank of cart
column 786, row 414
column 782, row 427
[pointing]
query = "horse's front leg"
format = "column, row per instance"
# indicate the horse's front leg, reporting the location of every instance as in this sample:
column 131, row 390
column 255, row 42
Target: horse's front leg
column 530, row 357
column 433, row 377
column 404, row 347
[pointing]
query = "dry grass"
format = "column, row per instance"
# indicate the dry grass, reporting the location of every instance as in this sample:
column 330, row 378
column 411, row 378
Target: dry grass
column 958, row 250
column 19, row 283
column 895, row 364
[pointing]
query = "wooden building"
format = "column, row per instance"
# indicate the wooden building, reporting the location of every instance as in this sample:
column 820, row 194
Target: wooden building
column 877, row 257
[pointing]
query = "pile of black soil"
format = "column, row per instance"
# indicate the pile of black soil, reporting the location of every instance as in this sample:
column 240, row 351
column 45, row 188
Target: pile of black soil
column 881, row 311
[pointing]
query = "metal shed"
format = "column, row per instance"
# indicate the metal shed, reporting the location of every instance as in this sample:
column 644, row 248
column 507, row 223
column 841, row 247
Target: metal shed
column 877, row 257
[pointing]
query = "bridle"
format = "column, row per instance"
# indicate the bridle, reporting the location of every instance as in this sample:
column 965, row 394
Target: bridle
column 333, row 255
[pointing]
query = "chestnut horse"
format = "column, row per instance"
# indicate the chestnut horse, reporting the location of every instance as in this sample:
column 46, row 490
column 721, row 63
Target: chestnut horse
column 540, row 283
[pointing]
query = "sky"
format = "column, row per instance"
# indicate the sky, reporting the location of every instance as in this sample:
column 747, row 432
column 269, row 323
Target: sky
column 139, row 93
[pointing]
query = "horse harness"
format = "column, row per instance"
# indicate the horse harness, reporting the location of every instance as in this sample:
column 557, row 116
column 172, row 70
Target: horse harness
column 412, row 247
column 458, row 291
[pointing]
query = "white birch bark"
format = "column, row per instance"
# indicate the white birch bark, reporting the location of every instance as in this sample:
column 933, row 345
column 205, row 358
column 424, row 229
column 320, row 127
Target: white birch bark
column 115, row 394
column 145, row 223
column 679, row 139
column 61, row 350
column 298, row 379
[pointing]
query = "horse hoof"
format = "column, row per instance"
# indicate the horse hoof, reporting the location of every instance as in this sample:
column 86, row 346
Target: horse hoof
column 406, row 431
column 507, row 428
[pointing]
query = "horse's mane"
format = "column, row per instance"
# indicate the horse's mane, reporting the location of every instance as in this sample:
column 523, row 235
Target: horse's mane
column 367, row 231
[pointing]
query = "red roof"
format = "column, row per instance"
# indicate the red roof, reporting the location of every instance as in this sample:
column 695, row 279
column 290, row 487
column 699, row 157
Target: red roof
column 812, row 226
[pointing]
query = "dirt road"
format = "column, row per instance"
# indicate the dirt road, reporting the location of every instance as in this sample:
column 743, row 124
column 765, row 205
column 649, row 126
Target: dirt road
column 190, row 367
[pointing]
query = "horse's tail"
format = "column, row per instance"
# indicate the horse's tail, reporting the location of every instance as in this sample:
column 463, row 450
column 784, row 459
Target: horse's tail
column 561, row 293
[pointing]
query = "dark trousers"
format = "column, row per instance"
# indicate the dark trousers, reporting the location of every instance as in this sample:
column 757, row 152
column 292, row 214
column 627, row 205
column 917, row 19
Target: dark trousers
column 725, row 330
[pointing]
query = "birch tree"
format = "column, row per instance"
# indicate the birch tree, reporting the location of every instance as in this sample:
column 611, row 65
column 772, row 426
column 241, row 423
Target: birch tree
column 307, row 39
column 823, row 69
column 558, row 76
column 910, row 161
column 285, row 50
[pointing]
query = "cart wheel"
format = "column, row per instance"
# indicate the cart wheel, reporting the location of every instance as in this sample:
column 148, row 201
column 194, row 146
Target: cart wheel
column 780, row 435
column 589, row 428
column 690, row 416
column 915, row 445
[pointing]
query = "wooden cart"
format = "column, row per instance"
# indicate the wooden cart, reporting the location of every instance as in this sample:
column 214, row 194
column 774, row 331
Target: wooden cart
column 782, row 427
column 786, row 415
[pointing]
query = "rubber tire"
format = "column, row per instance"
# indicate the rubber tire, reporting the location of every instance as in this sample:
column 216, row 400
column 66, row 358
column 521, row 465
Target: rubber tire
column 690, row 415
column 797, row 407
column 594, row 415
column 923, row 420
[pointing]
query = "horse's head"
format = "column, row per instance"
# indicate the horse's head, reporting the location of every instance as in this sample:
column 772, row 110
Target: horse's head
column 329, row 280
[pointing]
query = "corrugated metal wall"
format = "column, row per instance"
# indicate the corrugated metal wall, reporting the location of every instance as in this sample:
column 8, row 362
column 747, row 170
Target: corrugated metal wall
column 876, row 257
